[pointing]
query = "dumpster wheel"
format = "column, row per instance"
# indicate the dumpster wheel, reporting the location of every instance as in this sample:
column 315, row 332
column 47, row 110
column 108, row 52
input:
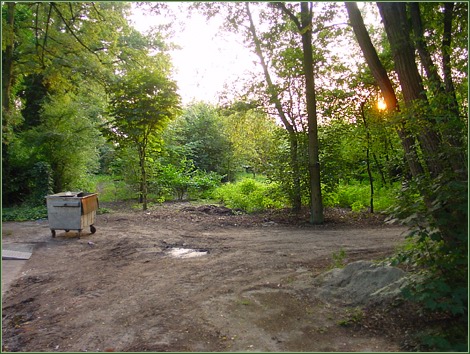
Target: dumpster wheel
column 92, row 229
column 53, row 233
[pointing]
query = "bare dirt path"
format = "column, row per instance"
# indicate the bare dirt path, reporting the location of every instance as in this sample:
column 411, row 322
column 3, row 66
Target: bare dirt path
column 249, row 288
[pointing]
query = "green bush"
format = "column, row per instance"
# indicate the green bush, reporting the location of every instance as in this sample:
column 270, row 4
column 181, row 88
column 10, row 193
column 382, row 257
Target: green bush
column 356, row 195
column 110, row 188
column 330, row 197
column 185, row 182
column 251, row 195
column 437, row 250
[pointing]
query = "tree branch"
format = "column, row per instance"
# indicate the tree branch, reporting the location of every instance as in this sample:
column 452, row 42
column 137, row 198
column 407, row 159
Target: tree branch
column 73, row 33
column 46, row 34
column 102, row 18
column 289, row 13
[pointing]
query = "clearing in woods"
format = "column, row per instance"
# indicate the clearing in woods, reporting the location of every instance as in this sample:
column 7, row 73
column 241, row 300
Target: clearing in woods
column 181, row 277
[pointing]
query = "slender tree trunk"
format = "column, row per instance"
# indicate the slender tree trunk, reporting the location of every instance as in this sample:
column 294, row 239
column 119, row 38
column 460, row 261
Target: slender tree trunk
column 379, row 168
column 369, row 172
column 143, row 178
column 293, row 141
column 316, row 205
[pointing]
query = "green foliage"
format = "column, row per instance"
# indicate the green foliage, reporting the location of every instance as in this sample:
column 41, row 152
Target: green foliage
column 142, row 104
column 58, row 151
column 281, row 168
column 437, row 250
column 143, row 101
column 110, row 188
column 42, row 184
column 67, row 139
column 356, row 195
column 251, row 195
column 443, row 339
column 339, row 258
column 330, row 197
column 24, row 213
column 184, row 182
column 353, row 316
column 251, row 133
column 199, row 135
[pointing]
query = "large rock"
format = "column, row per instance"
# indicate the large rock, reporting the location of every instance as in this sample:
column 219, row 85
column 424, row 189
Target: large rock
column 360, row 282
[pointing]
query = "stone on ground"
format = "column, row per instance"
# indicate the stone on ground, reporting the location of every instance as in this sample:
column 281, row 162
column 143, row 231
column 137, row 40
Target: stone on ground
column 360, row 283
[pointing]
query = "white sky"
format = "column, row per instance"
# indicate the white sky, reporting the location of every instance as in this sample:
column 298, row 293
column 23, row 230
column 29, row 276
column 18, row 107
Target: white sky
column 206, row 61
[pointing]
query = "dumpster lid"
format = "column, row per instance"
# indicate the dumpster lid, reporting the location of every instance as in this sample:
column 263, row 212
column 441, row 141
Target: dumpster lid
column 67, row 194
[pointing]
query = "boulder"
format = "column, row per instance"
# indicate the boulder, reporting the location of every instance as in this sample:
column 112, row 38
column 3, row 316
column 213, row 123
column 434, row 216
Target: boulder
column 360, row 282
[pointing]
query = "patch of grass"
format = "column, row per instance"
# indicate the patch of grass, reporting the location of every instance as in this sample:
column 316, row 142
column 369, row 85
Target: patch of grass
column 102, row 211
column 244, row 302
column 353, row 316
column 338, row 259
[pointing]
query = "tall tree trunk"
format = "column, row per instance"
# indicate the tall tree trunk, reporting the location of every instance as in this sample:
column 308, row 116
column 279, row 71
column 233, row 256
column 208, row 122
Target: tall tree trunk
column 446, row 50
column 7, row 81
column 316, row 205
column 424, row 55
column 446, row 91
column 380, row 75
column 450, row 134
column 395, row 21
column 305, row 29
column 438, row 157
column 7, row 59
column 293, row 141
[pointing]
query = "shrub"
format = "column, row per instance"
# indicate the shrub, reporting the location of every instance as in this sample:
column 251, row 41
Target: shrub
column 250, row 195
column 437, row 250
column 184, row 182
column 356, row 196
column 330, row 197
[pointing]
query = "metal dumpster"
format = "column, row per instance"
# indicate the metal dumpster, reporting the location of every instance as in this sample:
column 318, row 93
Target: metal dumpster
column 72, row 211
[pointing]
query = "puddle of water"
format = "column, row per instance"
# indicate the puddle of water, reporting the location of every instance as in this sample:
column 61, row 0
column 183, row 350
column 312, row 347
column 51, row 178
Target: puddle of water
column 186, row 253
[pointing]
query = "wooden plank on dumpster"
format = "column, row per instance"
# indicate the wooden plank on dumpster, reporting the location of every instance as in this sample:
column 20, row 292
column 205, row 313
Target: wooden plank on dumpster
column 89, row 204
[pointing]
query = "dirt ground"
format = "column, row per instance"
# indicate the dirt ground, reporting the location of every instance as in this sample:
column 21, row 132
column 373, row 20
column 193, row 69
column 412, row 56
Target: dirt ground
column 250, row 288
